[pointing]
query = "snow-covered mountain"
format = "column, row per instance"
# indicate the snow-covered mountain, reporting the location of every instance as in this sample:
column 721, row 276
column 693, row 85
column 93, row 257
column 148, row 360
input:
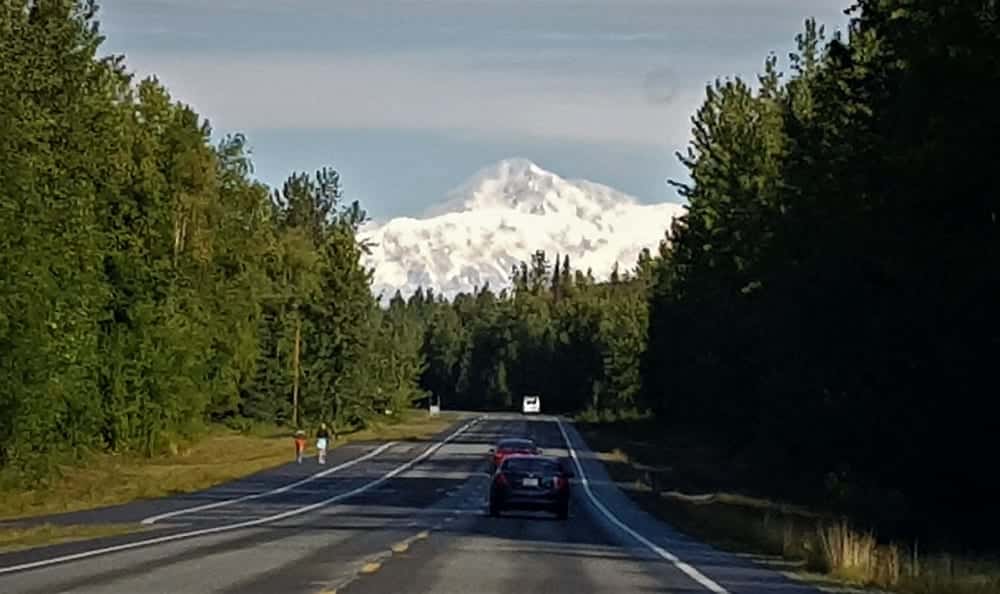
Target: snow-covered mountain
column 501, row 216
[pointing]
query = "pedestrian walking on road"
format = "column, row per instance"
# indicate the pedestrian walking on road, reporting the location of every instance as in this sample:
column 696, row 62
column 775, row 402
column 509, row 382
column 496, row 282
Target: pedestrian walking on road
column 322, row 441
column 300, row 445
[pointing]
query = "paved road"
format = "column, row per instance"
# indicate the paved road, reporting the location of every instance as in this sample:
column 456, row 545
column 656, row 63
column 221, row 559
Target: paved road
column 391, row 518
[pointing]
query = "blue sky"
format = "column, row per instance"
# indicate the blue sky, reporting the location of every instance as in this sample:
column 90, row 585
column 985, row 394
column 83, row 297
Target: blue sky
column 407, row 98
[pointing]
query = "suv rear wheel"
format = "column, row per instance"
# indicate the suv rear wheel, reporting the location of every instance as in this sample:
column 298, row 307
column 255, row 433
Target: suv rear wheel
column 562, row 511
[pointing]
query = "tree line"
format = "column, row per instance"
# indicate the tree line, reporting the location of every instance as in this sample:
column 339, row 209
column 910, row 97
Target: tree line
column 825, row 309
column 555, row 332
column 149, row 285
column 828, row 301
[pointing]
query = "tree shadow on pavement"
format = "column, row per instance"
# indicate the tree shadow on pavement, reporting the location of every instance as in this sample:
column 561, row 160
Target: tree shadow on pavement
column 445, row 484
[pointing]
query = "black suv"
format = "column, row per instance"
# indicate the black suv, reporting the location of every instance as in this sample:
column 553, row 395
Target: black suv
column 530, row 483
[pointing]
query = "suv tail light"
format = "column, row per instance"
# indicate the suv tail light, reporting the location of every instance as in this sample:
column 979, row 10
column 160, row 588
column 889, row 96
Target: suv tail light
column 561, row 483
column 501, row 480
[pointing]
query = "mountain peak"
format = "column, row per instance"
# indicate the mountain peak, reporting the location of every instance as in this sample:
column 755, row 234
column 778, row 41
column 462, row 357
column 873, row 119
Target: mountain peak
column 518, row 184
column 513, row 167
column 502, row 215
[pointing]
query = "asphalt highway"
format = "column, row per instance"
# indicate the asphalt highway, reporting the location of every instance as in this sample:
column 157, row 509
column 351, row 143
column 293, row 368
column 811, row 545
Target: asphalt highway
column 406, row 517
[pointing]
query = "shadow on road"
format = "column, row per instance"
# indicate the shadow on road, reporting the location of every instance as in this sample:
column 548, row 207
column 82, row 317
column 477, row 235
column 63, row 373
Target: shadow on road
column 453, row 482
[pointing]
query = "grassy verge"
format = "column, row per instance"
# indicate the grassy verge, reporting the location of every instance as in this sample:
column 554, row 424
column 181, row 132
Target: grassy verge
column 691, row 486
column 220, row 456
column 26, row 537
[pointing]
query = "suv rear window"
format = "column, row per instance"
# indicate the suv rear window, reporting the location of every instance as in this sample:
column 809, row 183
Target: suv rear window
column 516, row 444
column 535, row 465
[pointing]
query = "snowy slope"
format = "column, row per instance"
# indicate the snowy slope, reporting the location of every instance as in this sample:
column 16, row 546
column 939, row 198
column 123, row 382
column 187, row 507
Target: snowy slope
column 499, row 218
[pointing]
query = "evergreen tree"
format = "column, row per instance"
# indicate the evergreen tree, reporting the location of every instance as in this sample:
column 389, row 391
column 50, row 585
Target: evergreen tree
column 148, row 285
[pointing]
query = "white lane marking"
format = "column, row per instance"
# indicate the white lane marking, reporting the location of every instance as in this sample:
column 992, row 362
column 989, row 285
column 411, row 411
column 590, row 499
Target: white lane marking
column 247, row 524
column 288, row 487
column 689, row 570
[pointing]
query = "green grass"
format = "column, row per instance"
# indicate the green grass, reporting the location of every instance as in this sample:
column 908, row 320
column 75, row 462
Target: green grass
column 26, row 537
column 696, row 488
column 605, row 415
column 217, row 457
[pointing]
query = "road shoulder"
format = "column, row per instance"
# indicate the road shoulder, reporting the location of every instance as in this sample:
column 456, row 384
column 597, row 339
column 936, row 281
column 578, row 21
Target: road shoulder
column 726, row 570
column 133, row 513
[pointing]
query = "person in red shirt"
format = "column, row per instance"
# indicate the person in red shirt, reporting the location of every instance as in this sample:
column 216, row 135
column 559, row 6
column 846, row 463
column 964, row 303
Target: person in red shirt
column 300, row 445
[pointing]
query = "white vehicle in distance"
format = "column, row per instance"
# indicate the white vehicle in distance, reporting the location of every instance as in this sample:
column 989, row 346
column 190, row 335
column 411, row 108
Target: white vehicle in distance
column 531, row 405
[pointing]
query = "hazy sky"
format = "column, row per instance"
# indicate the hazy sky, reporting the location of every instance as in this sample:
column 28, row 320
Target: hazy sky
column 407, row 98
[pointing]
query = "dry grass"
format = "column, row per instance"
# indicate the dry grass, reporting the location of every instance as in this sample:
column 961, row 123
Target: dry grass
column 801, row 542
column 857, row 556
column 414, row 425
column 822, row 550
column 107, row 479
column 947, row 573
column 19, row 538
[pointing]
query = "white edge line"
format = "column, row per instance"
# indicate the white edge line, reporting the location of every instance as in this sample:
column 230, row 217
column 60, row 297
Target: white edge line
column 249, row 523
column 187, row 510
column 688, row 569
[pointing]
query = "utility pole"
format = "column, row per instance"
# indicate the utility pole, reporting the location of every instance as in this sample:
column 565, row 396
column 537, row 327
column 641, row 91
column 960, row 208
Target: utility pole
column 295, row 366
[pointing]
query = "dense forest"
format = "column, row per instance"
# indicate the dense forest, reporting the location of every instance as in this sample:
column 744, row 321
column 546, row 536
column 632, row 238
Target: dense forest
column 556, row 332
column 148, row 285
column 829, row 299
column 824, row 308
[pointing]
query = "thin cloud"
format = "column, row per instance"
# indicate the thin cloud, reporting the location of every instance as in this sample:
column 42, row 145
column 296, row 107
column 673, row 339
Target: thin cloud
column 599, row 36
column 597, row 85
column 311, row 91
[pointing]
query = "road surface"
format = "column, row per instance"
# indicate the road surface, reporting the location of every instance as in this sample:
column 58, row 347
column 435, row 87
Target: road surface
column 391, row 518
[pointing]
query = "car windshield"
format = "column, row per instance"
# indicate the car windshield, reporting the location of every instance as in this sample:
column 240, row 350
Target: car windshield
column 532, row 465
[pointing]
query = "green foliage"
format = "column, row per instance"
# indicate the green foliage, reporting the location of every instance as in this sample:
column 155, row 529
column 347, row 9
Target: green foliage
column 148, row 285
column 58, row 160
column 825, row 306
column 827, row 300
column 558, row 334
column 826, row 303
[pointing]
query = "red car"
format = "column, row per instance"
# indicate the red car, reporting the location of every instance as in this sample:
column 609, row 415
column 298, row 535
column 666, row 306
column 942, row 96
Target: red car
column 511, row 446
